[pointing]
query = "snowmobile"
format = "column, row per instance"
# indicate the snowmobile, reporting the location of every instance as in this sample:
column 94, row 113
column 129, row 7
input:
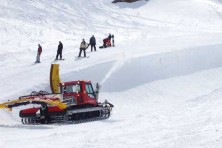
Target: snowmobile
column 69, row 102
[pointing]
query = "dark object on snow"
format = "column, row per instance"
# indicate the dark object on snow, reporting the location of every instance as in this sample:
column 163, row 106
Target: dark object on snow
column 92, row 42
column 113, row 43
column 59, row 59
column 59, row 51
column 38, row 54
column 128, row 1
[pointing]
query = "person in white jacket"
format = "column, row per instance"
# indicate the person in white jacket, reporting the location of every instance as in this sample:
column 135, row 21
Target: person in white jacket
column 83, row 47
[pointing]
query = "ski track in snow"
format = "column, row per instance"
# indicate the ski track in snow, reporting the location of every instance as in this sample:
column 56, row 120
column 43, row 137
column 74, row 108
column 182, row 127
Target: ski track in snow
column 163, row 76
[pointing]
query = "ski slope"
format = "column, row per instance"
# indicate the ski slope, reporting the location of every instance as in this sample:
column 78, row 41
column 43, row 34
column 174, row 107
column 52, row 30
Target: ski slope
column 164, row 76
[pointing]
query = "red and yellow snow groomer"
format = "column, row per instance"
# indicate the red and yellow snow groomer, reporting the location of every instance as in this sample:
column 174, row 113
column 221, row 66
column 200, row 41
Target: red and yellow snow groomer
column 69, row 102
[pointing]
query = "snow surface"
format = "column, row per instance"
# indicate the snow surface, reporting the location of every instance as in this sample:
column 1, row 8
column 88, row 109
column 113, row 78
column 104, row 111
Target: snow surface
column 164, row 76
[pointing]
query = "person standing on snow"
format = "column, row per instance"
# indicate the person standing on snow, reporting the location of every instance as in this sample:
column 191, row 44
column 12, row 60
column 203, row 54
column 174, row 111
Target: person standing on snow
column 39, row 53
column 83, row 47
column 59, row 51
column 110, row 36
column 92, row 42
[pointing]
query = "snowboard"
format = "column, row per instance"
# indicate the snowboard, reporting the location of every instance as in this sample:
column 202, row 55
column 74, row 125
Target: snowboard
column 54, row 61
column 105, row 46
column 78, row 58
column 59, row 59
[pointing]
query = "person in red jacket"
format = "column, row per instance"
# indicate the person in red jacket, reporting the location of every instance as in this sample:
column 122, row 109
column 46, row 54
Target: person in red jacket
column 39, row 53
column 106, row 42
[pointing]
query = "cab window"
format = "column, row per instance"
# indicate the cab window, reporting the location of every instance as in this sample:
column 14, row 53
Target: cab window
column 89, row 90
column 72, row 89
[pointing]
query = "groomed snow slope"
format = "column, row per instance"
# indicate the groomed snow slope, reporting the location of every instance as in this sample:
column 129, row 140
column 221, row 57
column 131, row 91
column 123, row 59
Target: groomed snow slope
column 164, row 76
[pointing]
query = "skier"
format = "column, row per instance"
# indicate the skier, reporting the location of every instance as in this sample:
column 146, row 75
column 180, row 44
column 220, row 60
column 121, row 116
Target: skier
column 83, row 47
column 92, row 42
column 113, row 40
column 38, row 53
column 59, row 51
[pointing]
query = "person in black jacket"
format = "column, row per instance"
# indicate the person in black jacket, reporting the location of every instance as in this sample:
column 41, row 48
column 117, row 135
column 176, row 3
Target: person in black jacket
column 59, row 51
column 92, row 42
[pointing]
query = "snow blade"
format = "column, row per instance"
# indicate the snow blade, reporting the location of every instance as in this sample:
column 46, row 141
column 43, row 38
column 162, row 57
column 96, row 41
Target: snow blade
column 24, row 101
column 54, row 78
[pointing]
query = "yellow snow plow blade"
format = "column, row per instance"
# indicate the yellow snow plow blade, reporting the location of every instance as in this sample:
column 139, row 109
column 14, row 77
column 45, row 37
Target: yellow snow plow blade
column 54, row 78
column 25, row 101
column 3, row 106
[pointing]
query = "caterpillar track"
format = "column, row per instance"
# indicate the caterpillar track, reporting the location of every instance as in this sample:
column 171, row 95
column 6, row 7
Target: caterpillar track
column 72, row 116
